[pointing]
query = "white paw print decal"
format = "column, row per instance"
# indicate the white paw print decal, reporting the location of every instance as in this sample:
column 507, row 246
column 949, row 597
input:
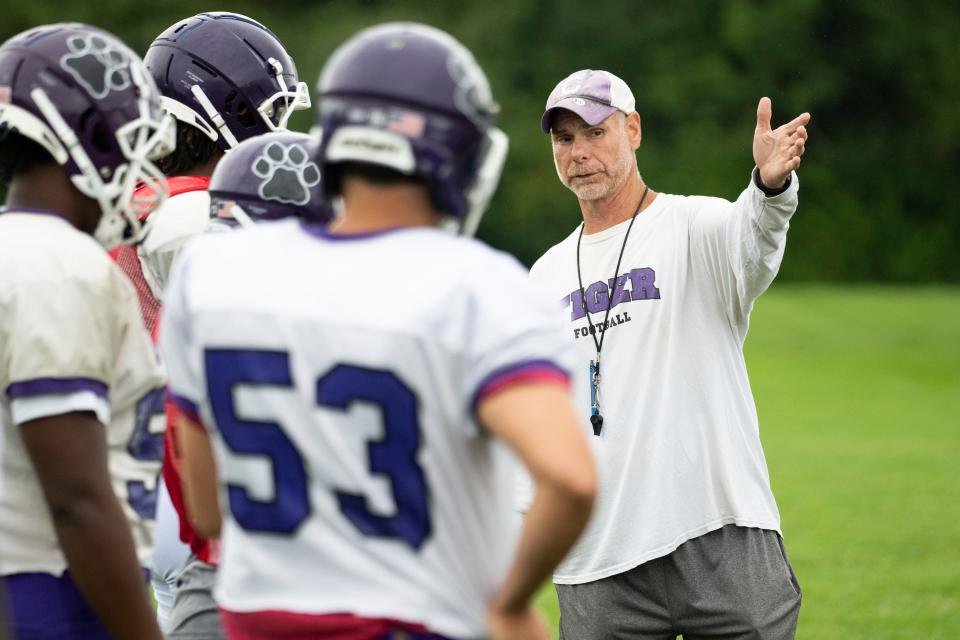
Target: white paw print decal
column 287, row 173
column 96, row 64
column 473, row 96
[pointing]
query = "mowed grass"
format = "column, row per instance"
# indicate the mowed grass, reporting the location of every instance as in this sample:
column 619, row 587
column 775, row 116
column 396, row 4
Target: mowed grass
column 858, row 392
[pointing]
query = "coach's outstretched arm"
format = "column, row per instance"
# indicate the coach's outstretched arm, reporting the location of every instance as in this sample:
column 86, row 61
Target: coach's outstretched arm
column 739, row 246
column 538, row 422
column 69, row 454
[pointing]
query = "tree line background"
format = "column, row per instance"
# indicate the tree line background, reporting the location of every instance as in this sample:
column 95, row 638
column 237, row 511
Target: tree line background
column 881, row 78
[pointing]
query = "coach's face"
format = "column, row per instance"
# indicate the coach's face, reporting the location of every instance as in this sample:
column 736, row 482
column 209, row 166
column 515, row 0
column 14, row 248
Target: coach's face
column 595, row 161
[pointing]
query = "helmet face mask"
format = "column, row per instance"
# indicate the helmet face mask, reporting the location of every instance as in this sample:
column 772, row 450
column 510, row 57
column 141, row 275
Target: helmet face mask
column 411, row 98
column 143, row 142
column 227, row 75
column 86, row 99
column 277, row 109
column 494, row 155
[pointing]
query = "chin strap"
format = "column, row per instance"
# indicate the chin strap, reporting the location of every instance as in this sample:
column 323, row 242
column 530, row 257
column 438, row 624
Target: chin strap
column 214, row 115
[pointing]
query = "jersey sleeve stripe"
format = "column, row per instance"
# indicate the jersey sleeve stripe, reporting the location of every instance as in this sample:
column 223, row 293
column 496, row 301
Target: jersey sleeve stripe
column 25, row 409
column 51, row 386
column 185, row 406
column 529, row 371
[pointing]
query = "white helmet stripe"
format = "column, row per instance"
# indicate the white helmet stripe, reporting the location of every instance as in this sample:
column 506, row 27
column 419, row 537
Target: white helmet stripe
column 214, row 115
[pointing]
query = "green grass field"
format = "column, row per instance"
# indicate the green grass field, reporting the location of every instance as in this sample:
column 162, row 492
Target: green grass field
column 858, row 391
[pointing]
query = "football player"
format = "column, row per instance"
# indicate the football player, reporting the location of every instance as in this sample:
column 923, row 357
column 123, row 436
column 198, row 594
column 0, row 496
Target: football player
column 80, row 120
column 225, row 78
column 245, row 188
column 362, row 385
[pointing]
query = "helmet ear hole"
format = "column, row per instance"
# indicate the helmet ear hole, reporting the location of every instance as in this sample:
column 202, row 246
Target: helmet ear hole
column 92, row 125
column 101, row 139
column 228, row 101
column 245, row 115
column 240, row 110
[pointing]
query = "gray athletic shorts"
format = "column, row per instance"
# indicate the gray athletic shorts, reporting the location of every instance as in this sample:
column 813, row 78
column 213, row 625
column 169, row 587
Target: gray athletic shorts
column 734, row 583
column 195, row 615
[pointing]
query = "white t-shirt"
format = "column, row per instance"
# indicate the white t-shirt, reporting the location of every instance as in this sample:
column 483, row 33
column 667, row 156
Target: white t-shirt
column 679, row 454
column 71, row 339
column 339, row 377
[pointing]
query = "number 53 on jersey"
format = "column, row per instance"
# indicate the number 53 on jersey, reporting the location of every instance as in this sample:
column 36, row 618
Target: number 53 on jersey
column 342, row 388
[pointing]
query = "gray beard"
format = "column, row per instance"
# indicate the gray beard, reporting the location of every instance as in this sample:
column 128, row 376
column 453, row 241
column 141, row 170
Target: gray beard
column 591, row 192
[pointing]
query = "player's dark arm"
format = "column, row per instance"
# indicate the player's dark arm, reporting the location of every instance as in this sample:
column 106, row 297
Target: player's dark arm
column 199, row 476
column 538, row 422
column 69, row 454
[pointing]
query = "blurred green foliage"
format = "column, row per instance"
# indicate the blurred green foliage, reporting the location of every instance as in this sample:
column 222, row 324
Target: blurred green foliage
column 880, row 78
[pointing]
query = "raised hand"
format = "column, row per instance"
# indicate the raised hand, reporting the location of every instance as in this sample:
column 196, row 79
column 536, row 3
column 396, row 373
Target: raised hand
column 777, row 152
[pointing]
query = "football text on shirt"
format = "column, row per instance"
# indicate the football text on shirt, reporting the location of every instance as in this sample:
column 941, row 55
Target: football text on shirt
column 596, row 297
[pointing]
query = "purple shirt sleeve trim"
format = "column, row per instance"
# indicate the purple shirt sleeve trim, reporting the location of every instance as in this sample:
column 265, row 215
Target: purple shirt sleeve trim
column 186, row 406
column 50, row 386
column 524, row 369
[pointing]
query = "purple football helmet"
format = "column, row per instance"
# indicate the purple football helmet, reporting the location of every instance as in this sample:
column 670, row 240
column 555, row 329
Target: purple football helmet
column 411, row 98
column 87, row 99
column 227, row 75
column 268, row 177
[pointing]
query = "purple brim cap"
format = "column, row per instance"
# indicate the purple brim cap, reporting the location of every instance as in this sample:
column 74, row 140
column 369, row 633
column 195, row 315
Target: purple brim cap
column 592, row 95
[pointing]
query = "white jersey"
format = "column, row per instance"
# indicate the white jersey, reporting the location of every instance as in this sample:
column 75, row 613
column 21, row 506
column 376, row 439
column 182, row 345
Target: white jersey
column 135, row 437
column 71, row 339
column 172, row 225
column 339, row 377
column 679, row 454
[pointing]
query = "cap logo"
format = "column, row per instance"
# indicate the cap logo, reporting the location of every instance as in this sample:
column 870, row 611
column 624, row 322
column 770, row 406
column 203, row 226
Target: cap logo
column 570, row 86
column 96, row 64
column 287, row 173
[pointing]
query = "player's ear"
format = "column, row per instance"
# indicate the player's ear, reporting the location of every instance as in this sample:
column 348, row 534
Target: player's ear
column 631, row 125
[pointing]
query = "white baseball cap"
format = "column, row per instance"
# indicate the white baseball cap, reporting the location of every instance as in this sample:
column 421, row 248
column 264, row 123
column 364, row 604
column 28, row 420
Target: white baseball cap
column 592, row 95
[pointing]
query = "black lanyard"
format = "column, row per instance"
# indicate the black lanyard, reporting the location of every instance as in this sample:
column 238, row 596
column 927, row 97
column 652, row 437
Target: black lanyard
column 596, row 418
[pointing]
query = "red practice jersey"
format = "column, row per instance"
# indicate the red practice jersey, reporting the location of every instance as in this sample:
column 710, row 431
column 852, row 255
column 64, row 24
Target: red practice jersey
column 129, row 262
